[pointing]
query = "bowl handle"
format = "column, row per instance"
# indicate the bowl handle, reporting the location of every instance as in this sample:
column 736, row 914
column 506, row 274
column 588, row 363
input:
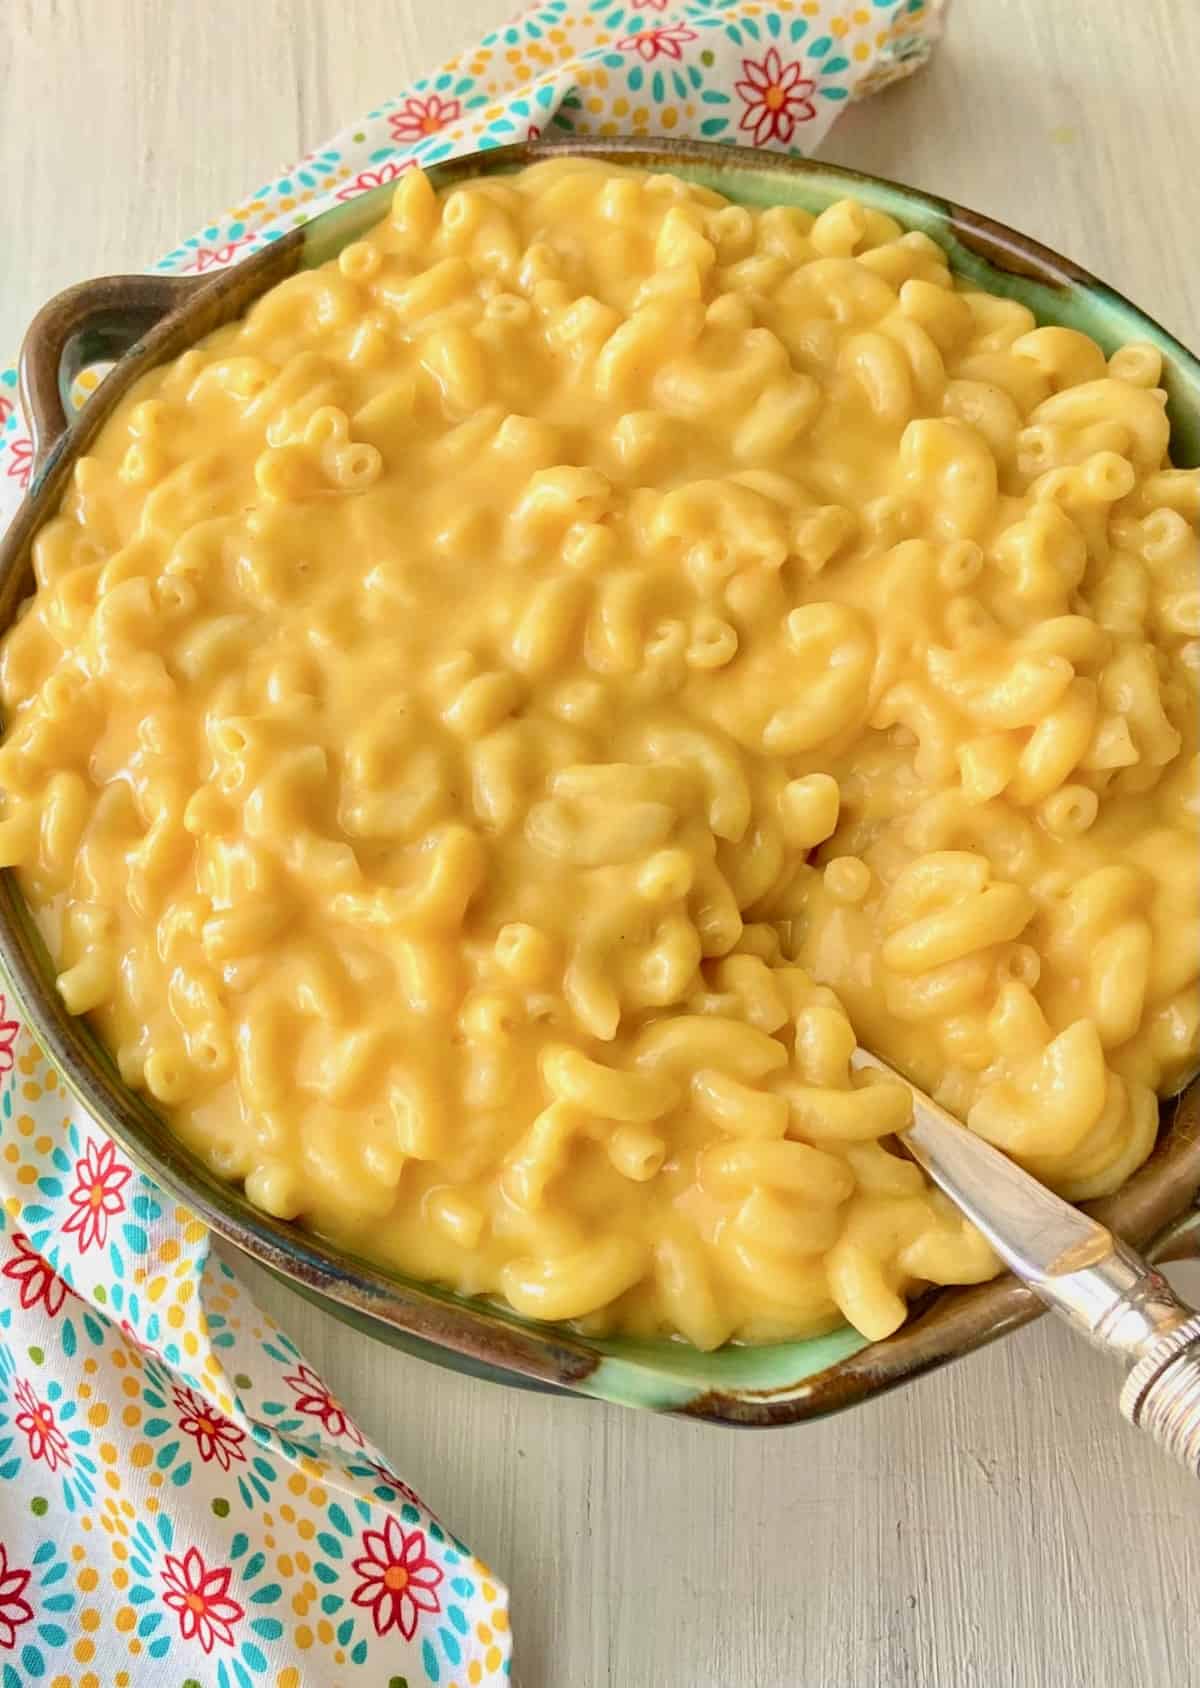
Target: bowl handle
column 92, row 322
column 1180, row 1241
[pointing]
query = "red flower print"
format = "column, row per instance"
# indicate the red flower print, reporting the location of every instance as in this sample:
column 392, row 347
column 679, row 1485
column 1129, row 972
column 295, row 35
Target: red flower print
column 398, row 1578
column 777, row 97
column 135, row 1341
column 8, row 1036
column 6, row 409
column 21, row 467
column 533, row 133
column 213, row 257
column 313, row 1397
column 131, row 1336
column 397, row 1483
column 418, row 118
column 200, row 1596
column 97, row 1194
column 37, row 1278
column 649, row 5
column 650, row 44
column 36, row 1420
column 367, row 179
column 13, row 1609
column 217, row 1437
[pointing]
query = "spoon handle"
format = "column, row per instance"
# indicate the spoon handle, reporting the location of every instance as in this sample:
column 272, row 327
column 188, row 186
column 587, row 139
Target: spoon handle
column 1162, row 1392
column 1092, row 1279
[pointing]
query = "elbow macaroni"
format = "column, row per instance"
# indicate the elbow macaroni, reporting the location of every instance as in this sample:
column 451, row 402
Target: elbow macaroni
column 491, row 719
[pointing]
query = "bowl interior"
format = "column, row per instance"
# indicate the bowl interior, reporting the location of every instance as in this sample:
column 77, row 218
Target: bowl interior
column 990, row 256
column 986, row 253
column 773, row 1383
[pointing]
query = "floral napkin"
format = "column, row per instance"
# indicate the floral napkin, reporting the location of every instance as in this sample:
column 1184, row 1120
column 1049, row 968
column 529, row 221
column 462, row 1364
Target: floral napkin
column 183, row 1501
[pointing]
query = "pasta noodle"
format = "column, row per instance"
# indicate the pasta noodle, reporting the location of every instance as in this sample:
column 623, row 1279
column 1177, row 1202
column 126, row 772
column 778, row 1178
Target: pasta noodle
column 489, row 721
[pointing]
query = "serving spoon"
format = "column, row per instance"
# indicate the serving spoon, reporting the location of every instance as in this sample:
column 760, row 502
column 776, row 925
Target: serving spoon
column 1075, row 1265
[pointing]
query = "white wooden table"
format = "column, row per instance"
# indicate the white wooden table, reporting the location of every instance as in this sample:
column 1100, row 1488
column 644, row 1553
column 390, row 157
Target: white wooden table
column 995, row 1525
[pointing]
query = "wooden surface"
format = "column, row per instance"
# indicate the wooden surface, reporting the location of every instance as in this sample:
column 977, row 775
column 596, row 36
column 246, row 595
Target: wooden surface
column 995, row 1524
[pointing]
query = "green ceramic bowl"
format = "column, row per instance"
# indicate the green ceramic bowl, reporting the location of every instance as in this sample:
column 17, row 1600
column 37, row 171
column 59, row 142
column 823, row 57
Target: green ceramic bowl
column 143, row 321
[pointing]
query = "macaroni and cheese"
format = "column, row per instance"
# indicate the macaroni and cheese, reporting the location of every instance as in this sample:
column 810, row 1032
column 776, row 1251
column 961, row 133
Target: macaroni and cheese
column 491, row 722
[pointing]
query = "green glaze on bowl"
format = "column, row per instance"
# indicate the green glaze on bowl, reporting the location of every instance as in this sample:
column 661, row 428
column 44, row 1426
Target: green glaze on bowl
column 152, row 320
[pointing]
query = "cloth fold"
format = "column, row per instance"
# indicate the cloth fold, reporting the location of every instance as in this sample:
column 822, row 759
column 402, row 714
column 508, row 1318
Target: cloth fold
column 180, row 1492
column 178, row 1488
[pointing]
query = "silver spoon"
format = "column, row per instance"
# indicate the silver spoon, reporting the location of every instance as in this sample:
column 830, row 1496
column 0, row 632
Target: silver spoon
column 1077, row 1267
